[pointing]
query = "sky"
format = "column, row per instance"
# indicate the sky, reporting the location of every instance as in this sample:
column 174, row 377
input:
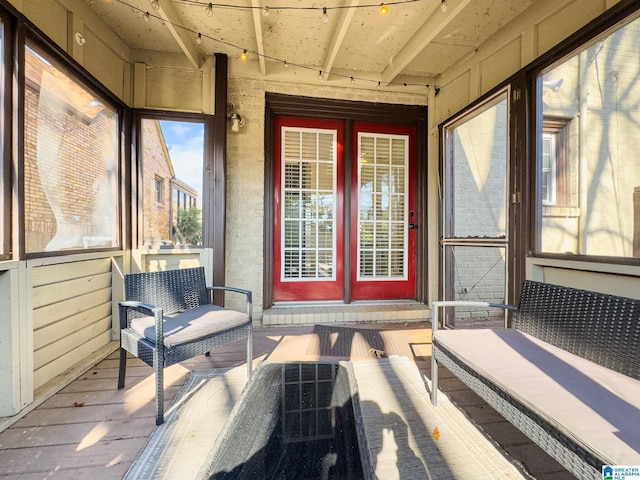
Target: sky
column 185, row 142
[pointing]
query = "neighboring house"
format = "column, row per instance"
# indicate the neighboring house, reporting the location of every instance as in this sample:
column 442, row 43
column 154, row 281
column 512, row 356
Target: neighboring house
column 164, row 194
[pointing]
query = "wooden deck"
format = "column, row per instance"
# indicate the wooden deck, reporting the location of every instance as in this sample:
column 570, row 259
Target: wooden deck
column 92, row 430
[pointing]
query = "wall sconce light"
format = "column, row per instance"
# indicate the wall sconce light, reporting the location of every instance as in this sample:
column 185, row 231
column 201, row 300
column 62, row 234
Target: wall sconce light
column 553, row 84
column 80, row 40
column 236, row 122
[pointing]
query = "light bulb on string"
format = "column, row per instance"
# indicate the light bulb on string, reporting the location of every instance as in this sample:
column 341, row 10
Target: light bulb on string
column 384, row 9
column 353, row 80
column 244, row 56
column 265, row 11
column 286, row 65
column 443, row 6
column 155, row 5
column 209, row 10
column 325, row 16
column 146, row 17
column 199, row 39
column 319, row 74
column 378, row 87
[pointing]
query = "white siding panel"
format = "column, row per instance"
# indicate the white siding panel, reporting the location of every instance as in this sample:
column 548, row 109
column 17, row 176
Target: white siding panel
column 67, row 308
column 158, row 263
column 49, row 274
column 58, row 365
column 63, row 329
column 76, row 339
column 55, row 292
column 106, row 65
column 71, row 314
column 52, row 19
column 555, row 28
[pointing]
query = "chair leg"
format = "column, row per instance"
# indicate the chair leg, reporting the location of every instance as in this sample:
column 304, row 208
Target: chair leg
column 249, row 354
column 434, row 379
column 123, row 368
column 159, row 393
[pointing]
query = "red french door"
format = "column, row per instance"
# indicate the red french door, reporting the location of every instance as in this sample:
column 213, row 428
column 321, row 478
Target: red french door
column 309, row 208
column 383, row 221
column 310, row 219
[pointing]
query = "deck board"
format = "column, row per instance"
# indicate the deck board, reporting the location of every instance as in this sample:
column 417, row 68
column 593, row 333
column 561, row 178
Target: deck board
column 102, row 438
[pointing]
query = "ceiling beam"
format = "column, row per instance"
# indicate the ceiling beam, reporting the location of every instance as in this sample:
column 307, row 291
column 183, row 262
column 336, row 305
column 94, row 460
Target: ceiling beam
column 257, row 25
column 180, row 35
column 436, row 22
column 338, row 38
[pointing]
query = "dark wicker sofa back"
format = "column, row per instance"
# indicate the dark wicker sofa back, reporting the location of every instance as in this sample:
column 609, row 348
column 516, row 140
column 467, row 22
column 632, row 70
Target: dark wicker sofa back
column 171, row 290
column 604, row 329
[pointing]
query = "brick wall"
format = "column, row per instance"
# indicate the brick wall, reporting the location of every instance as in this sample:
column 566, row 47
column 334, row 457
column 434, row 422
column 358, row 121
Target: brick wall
column 157, row 219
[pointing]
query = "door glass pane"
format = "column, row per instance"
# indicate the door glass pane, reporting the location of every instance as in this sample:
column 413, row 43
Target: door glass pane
column 71, row 158
column 478, row 152
column 383, row 161
column 308, row 216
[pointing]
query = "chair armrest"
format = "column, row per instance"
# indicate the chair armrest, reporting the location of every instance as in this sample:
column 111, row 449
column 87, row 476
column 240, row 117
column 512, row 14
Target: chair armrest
column 461, row 303
column 141, row 307
column 247, row 293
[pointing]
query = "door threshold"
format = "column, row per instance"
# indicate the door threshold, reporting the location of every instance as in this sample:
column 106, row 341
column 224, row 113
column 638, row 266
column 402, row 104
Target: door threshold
column 312, row 313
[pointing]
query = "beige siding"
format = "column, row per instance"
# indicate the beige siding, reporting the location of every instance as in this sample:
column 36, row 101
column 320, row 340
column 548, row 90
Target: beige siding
column 541, row 27
column 71, row 314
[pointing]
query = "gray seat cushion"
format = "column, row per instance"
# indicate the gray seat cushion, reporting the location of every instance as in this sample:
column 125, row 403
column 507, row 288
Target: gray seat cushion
column 188, row 325
column 597, row 406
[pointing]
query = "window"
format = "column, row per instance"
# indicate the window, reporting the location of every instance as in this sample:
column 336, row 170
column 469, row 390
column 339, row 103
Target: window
column 71, row 158
column 158, row 191
column 588, row 145
column 549, row 159
column 172, row 181
column 556, row 164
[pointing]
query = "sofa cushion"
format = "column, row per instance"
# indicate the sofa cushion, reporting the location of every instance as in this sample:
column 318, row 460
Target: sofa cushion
column 597, row 406
column 188, row 325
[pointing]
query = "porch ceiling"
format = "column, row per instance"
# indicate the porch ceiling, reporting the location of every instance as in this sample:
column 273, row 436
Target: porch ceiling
column 414, row 43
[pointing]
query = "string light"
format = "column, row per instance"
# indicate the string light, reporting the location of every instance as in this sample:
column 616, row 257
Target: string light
column 155, row 5
column 265, row 11
column 209, row 10
column 244, row 55
column 384, row 9
column 325, row 16
column 443, row 6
